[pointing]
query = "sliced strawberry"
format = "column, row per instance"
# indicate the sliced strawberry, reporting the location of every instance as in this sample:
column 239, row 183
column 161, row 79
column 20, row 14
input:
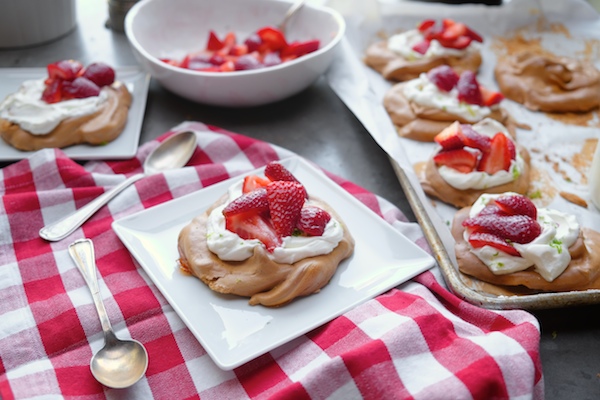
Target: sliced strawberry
column 252, row 182
column 238, row 50
column 272, row 39
column 460, row 159
column 474, row 35
column 214, row 43
column 276, row 171
column 100, row 73
column 459, row 43
column 480, row 239
column 450, row 138
column 79, row 88
column 512, row 149
column 515, row 228
column 66, row 70
column 229, row 41
column 516, row 205
column 313, row 220
column 53, row 91
column 454, row 31
column 227, row 66
column 490, row 97
column 443, row 77
column 286, row 199
column 299, row 49
column 491, row 209
column 468, row 88
column 253, row 42
column 499, row 156
column 251, row 225
column 474, row 139
column 255, row 200
column 422, row 46
column 425, row 25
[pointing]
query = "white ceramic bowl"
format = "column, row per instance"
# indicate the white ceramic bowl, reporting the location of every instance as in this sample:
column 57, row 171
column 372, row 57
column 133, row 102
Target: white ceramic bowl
column 173, row 28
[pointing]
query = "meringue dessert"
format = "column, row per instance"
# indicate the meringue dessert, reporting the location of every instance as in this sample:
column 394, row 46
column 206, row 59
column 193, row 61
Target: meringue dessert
column 422, row 107
column 266, row 239
column 506, row 241
column 475, row 159
column 73, row 105
column 548, row 83
column 407, row 55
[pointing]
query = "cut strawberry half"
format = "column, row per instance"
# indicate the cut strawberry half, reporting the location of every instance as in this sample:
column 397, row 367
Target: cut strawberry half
column 450, row 138
column 66, row 70
column 299, row 49
column 255, row 200
column 474, row 139
column 474, row 35
column 490, row 97
column 53, row 91
column 515, row 228
column 459, row 43
column 272, row 39
column 79, row 88
column 460, row 159
column 468, row 88
column 313, row 220
column 425, row 25
column 480, row 239
column 253, row 42
column 444, row 77
column 252, row 182
column 100, row 73
column 286, row 199
column 213, row 43
column 454, row 31
column 499, row 157
column 422, row 46
column 516, row 205
column 251, row 225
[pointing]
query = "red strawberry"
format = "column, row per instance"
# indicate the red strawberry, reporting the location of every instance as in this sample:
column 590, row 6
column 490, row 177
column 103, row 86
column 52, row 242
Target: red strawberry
column 53, row 91
column 272, row 39
column 66, row 70
column 443, row 77
column 79, row 88
column 515, row 228
column 468, row 88
column 450, row 138
column 251, row 225
column 299, row 49
column 252, row 182
column 285, row 199
column 255, row 200
column 253, row 42
column 458, row 43
column 491, row 209
column 425, row 25
column 516, row 205
column 480, row 239
column 460, row 159
column 213, row 43
column 99, row 73
column 474, row 139
column 454, row 30
column 313, row 220
column 276, row 171
column 490, row 97
column 474, row 35
column 499, row 157
column 422, row 46
column 247, row 62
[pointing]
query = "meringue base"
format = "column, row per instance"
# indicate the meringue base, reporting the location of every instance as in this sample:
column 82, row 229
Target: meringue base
column 265, row 281
column 99, row 128
column 583, row 272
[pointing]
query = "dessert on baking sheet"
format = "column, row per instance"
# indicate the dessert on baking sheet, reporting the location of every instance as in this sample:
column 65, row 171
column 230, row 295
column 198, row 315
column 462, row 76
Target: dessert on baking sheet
column 422, row 107
column 471, row 160
column 74, row 104
column 407, row 55
column 266, row 239
column 514, row 247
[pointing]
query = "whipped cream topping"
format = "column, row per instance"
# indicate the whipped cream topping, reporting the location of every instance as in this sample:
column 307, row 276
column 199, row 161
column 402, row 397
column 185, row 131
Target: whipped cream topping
column 26, row 108
column 426, row 93
column 228, row 246
column 479, row 179
column 548, row 253
column 402, row 44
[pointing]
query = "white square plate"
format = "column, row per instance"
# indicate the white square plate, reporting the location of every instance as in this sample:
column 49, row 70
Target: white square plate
column 123, row 147
column 233, row 332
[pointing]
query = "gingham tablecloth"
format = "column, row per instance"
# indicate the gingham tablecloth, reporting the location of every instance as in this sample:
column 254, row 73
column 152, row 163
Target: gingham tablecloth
column 417, row 341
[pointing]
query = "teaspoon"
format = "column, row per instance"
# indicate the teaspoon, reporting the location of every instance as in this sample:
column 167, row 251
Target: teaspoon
column 120, row 363
column 174, row 152
column 288, row 15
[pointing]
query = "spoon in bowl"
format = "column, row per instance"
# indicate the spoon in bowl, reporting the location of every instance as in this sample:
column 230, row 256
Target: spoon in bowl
column 120, row 363
column 288, row 15
column 174, row 152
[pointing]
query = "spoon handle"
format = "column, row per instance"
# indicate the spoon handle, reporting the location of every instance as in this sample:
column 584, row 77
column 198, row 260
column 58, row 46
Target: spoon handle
column 64, row 227
column 82, row 253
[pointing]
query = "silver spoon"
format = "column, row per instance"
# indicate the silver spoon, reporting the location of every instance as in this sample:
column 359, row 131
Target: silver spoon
column 120, row 363
column 174, row 152
column 290, row 12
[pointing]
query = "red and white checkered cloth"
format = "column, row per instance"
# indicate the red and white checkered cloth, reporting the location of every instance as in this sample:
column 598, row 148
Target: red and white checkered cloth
column 415, row 342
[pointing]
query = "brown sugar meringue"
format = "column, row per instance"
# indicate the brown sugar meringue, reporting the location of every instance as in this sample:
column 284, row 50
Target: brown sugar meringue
column 560, row 259
column 259, row 277
column 462, row 188
column 97, row 128
column 549, row 83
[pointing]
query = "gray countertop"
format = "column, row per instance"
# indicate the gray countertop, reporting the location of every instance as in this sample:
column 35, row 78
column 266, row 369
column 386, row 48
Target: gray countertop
column 317, row 125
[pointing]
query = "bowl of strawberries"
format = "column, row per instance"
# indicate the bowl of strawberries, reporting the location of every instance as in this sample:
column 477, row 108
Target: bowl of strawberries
column 231, row 52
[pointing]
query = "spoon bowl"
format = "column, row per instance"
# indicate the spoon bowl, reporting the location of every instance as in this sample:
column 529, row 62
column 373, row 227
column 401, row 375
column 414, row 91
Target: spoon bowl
column 120, row 363
column 172, row 153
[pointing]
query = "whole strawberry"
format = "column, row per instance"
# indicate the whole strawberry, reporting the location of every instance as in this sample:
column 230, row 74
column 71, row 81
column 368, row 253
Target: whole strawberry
column 285, row 199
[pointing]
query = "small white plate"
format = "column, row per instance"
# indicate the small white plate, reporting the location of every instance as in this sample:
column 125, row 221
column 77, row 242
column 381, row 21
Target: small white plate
column 233, row 332
column 123, row 147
